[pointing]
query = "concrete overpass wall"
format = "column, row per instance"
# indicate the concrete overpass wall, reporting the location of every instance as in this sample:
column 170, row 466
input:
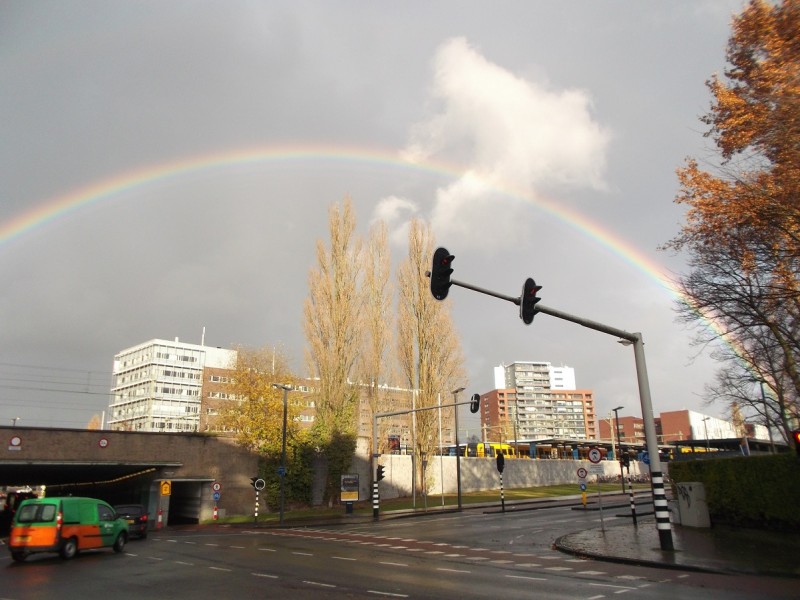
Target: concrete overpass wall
column 197, row 458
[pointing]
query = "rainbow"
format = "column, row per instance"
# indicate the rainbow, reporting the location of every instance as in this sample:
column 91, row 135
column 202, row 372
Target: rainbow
column 107, row 189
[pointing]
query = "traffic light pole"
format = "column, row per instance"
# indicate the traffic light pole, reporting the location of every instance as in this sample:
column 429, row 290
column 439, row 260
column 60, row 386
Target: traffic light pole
column 635, row 339
column 377, row 455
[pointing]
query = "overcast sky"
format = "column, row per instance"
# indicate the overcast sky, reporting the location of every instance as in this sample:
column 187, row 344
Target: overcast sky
column 168, row 166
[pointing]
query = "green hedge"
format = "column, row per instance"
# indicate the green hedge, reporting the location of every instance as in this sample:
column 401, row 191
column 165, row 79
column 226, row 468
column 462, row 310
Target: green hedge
column 754, row 491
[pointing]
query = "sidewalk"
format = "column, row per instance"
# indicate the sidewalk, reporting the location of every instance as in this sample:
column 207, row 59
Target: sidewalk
column 718, row 549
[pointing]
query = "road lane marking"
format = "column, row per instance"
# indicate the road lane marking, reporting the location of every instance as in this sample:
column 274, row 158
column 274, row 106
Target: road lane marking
column 268, row 549
column 180, row 562
column 453, row 570
column 264, row 575
column 303, row 553
column 319, row 583
column 387, row 594
column 342, row 558
column 393, row 564
column 527, row 578
column 616, row 587
column 220, row 569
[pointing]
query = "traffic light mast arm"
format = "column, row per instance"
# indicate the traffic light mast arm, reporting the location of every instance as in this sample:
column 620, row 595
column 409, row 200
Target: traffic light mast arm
column 620, row 333
column 516, row 300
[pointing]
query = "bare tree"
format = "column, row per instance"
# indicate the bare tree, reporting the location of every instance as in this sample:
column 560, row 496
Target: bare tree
column 333, row 334
column 375, row 365
column 429, row 351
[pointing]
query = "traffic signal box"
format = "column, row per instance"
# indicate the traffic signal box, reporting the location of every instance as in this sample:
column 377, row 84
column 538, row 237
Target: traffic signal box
column 440, row 273
column 379, row 475
column 474, row 403
column 796, row 442
column 527, row 304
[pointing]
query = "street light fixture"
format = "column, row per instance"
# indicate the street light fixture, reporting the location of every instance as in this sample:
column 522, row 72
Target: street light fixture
column 282, row 472
column 456, row 392
column 619, row 445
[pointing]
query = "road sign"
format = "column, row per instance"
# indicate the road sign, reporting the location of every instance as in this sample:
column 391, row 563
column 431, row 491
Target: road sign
column 217, row 496
column 595, row 456
column 166, row 488
column 583, row 487
column 216, row 486
column 597, row 469
column 281, row 471
column 582, row 473
column 646, row 458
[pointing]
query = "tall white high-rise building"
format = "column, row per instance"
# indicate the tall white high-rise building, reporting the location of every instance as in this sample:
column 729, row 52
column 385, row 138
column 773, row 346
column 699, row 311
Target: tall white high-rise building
column 158, row 385
column 535, row 400
column 534, row 375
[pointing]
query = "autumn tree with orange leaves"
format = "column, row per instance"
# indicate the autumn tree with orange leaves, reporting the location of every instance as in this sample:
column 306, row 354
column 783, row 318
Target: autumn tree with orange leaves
column 742, row 228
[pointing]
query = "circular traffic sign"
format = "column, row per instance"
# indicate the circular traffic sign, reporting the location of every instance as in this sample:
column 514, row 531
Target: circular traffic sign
column 582, row 473
column 595, row 456
column 259, row 484
column 216, row 486
column 217, row 496
column 102, row 442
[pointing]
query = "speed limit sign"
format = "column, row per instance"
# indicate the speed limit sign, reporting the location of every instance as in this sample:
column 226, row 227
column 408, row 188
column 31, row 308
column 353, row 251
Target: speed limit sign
column 595, row 456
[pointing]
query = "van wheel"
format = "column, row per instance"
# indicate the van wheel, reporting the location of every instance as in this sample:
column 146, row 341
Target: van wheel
column 19, row 556
column 119, row 544
column 69, row 548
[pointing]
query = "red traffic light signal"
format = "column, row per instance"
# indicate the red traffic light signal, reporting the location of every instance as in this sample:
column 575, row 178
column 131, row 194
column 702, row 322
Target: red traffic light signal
column 528, row 300
column 796, row 441
column 440, row 273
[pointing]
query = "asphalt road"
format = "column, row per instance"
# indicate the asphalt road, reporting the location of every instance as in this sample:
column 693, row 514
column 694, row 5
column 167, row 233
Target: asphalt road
column 444, row 556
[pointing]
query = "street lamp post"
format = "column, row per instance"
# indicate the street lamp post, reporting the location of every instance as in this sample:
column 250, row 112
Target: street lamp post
column 458, row 449
column 705, row 427
column 619, row 445
column 766, row 415
column 282, row 473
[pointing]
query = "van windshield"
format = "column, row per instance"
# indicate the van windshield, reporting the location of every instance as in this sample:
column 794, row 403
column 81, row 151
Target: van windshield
column 36, row 513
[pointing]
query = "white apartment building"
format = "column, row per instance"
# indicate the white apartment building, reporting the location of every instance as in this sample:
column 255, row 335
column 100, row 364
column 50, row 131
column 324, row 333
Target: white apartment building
column 158, row 385
column 536, row 400
column 534, row 375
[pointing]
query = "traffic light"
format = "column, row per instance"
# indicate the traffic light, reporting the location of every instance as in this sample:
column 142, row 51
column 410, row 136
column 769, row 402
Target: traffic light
column 474, row 403
column 380, row 474
column 626, row 460
column 527, row 303
column 796, row 440
column 501, row 462
column 440, row 273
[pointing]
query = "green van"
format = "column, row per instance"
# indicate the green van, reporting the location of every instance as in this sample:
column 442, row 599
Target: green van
column 65, row 525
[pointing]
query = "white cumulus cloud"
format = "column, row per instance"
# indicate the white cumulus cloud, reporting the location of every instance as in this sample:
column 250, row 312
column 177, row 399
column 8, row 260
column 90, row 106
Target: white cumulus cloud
column 506, row 133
